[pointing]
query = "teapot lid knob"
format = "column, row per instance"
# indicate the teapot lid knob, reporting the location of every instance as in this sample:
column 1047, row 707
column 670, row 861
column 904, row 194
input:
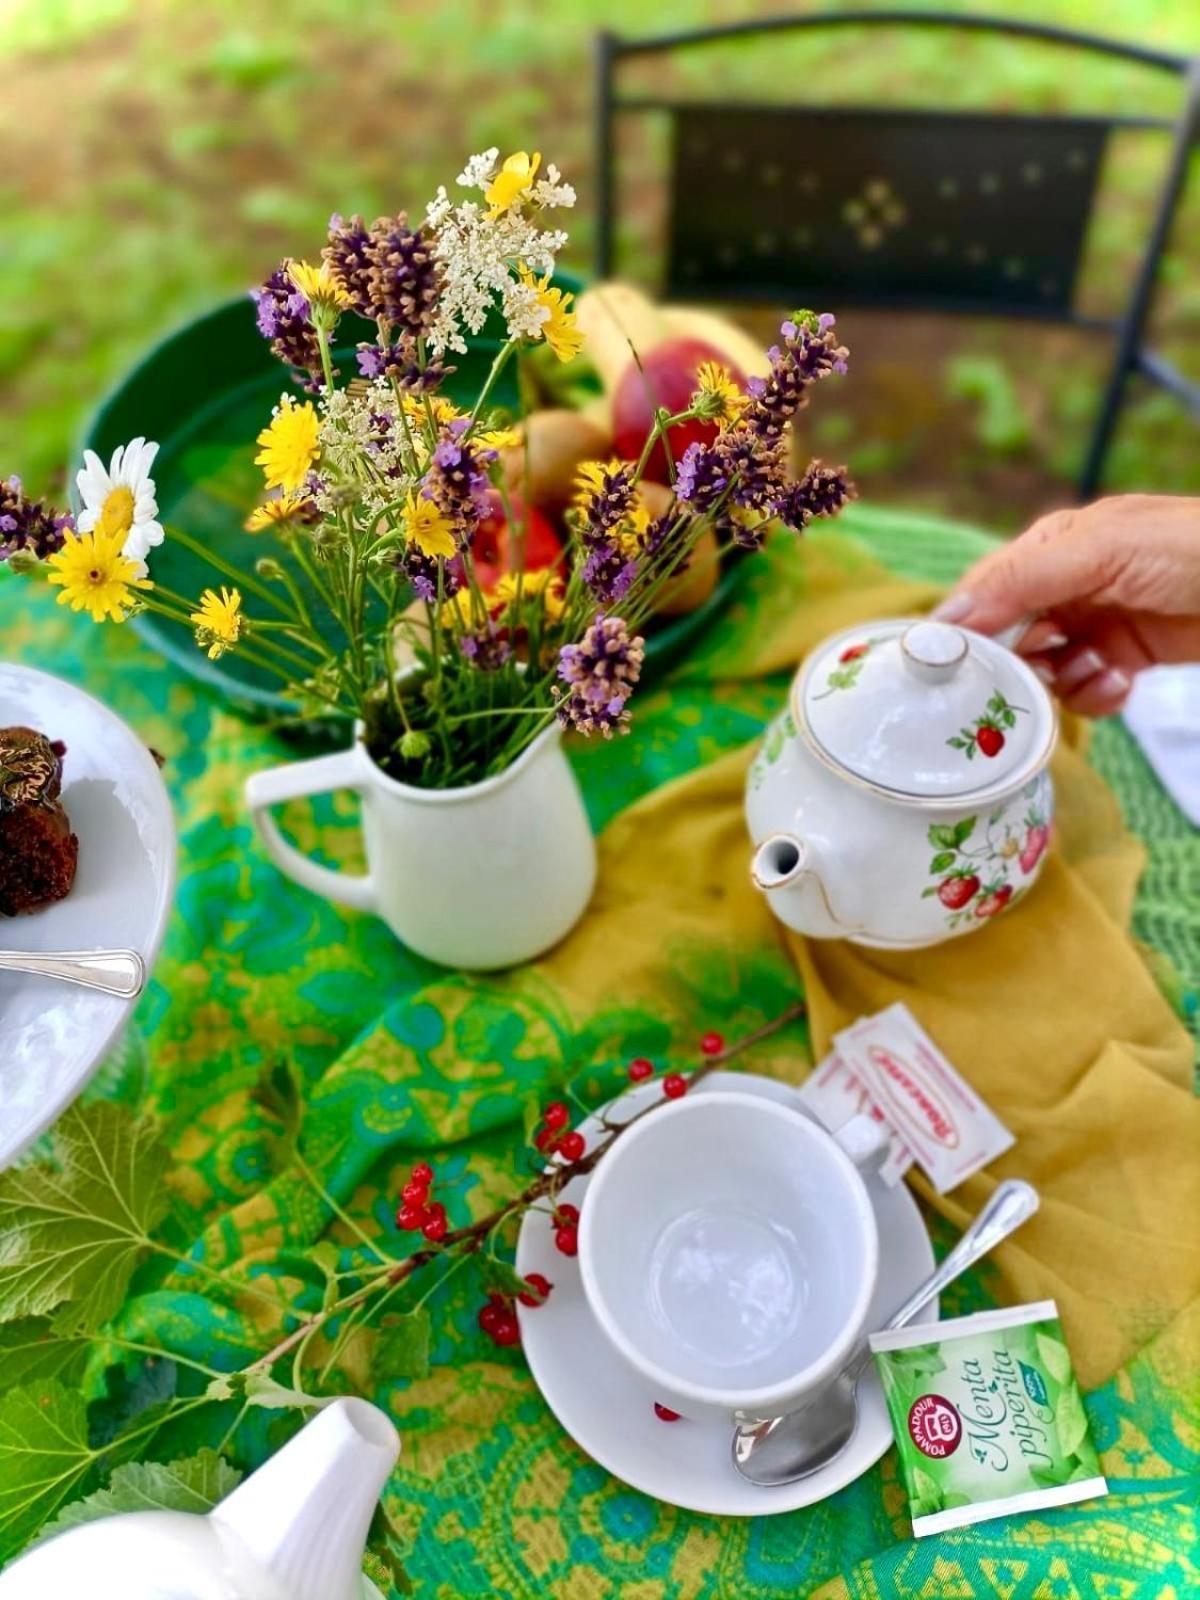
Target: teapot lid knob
column 933, row 651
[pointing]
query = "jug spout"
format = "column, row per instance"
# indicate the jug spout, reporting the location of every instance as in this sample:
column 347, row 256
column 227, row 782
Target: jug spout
column 787, row 870
column 304, row 1514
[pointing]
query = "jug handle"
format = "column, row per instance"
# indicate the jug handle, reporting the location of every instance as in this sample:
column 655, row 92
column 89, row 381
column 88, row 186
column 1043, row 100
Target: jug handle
column 296, row 781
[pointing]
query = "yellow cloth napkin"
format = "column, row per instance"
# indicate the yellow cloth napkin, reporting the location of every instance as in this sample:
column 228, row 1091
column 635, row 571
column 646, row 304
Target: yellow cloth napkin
column 1050, row 1012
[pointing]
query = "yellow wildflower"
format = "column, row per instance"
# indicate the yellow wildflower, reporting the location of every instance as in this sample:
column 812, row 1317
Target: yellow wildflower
column 499, row 439
column 279, row 512
column 289, row 445
column 96, row 576
column 630, row 532
column 590, row 479
column 559, row 330
column 218, row 621
column 513, row 182
column 427, row 526
column 442, row 410
column 320, row 286
column 545, row 582
column 725, row 401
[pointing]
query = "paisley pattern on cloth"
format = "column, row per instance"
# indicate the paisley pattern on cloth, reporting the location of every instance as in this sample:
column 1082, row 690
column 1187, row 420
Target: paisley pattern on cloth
column 403, row 1060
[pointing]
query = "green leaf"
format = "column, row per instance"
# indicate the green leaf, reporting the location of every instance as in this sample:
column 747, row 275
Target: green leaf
column 942, row 836
column 942, row 861
column 72, row 1233
column 402, row 1349
column 1072, row 1420
column 1054, row 1357
column 952, row 1500
column 1083, row 1470
column 925, row 1493
column 963, row 829
column 129, row 1396
column 265, row 1392
column 45, row 1458
column 195, row 1484
column 29, row 1351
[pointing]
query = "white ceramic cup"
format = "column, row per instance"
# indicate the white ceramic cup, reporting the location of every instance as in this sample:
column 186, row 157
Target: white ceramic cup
column 477, row 877
column 729, row 1251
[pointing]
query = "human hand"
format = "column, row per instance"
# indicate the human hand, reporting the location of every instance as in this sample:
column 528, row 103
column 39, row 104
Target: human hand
column 1112, row 588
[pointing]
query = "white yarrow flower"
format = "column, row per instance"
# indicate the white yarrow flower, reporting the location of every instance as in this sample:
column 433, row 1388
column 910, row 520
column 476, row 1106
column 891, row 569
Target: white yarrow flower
column 122, row 495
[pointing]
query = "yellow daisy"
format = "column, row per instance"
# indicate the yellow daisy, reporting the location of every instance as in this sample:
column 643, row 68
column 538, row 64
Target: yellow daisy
column 96, row 576
column 428, row 527
column 545, row 582
column 630, row 532
column 279, row 512
column 499, row 439
column 726, row 401
column 589, row 479
column 218, row 620
column 513, row 182
column 289, row 445
column 559, row 330
column 319, row 285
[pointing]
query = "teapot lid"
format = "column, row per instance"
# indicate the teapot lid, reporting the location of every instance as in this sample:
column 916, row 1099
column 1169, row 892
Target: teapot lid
column 923, row 710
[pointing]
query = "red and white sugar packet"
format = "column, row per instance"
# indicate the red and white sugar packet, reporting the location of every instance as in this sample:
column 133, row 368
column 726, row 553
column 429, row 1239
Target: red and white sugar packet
column 936, row 1114
column 834, row 1094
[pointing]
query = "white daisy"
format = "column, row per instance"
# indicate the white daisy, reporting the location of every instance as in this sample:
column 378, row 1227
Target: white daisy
column 122, row 497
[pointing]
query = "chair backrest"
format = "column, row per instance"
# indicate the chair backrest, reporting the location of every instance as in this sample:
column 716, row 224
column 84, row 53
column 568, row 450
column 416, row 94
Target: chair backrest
column 926, row 209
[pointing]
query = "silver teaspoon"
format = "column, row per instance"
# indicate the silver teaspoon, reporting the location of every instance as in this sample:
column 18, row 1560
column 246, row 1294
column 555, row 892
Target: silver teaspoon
column 795, row 1446
column 117, row 972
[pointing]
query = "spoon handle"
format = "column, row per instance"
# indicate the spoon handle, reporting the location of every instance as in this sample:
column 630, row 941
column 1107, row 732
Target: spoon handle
column 117, row 972
column 1012, row 1203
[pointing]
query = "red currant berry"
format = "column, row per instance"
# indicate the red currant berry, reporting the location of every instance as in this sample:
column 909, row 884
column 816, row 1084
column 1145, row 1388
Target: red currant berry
column 544, row 1138
column 541, row 1287
column 711, row 1044
column 572, row 1145
column 507, row 1330
column 410, row 1217
column 556, row 1115
column 640, row 1068
column 566, row 1241
column 664, row 1413
column 674, row 1085
column 566, row 1212
column 422, row 1173
column 489, row 1316
column 436, row 1209
column 415, row 1193
column 434, row 1228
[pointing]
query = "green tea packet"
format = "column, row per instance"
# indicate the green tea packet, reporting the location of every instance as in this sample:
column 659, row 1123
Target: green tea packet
column 987, row 1416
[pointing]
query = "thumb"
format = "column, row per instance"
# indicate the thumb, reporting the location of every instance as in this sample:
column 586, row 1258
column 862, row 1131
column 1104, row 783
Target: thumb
column 1055, row 561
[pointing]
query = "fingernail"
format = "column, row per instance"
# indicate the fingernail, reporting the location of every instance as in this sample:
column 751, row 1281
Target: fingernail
column 1043, row 672
column 1113, row 684
column 954, row 607
column 1085, row 665
column 1054, row 642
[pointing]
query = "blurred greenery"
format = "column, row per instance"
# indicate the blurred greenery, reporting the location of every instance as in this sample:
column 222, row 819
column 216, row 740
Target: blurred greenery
column 157, row 155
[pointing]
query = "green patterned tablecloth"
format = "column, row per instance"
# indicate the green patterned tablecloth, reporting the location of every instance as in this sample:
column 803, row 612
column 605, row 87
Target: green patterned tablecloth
column 400, row 1059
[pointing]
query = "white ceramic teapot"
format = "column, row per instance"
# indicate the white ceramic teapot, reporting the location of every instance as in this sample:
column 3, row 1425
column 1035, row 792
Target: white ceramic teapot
column 903, row 797
column 294, row 1530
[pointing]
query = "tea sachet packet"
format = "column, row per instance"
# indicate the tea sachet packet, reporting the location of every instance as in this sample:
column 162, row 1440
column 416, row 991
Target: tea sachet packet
column 987, row 1416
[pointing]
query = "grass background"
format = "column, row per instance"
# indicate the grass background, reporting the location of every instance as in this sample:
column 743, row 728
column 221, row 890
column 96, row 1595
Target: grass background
column 156, row 155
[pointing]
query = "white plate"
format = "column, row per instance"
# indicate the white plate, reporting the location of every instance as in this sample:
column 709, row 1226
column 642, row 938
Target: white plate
column 608, row 1409
column 53, row 1035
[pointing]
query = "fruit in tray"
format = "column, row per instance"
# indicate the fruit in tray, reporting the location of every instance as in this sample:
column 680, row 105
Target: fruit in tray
column 674, row 342
column 492, row 548
column 38, row 851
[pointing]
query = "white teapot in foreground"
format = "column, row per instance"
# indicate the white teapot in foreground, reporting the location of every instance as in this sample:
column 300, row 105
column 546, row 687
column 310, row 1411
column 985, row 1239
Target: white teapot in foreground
column 294, row 1530
column 903, row 797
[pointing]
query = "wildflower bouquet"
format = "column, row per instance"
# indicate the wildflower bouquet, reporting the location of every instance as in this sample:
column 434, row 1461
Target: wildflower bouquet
column 371, row 599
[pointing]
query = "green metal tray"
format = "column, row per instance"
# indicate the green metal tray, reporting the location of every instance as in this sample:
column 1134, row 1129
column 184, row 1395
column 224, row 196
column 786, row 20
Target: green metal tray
column 205, row 392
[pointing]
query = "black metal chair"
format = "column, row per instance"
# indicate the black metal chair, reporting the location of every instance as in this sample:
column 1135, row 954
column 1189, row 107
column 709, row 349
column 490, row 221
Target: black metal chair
column 982, row 213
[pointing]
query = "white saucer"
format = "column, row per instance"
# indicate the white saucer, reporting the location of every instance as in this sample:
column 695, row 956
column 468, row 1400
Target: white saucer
column 53, row 1035
column 608, row 1409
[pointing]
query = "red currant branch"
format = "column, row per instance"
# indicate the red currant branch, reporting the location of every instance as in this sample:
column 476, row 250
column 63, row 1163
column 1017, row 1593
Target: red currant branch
column 569, row 1159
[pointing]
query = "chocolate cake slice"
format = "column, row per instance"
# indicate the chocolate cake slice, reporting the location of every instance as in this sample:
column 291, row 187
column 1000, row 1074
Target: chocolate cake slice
column 38, row 851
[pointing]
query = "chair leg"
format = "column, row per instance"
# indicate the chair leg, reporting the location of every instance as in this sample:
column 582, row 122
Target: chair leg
column 1092, row 471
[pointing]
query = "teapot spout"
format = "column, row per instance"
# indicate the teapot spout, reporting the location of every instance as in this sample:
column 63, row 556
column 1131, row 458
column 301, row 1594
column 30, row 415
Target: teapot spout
column 779, row 861
column 304, row 1514
column 785, row 869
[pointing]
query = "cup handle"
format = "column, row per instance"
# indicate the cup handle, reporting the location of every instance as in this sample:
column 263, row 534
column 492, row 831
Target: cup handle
column 293, row 782
column 864, row 1139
